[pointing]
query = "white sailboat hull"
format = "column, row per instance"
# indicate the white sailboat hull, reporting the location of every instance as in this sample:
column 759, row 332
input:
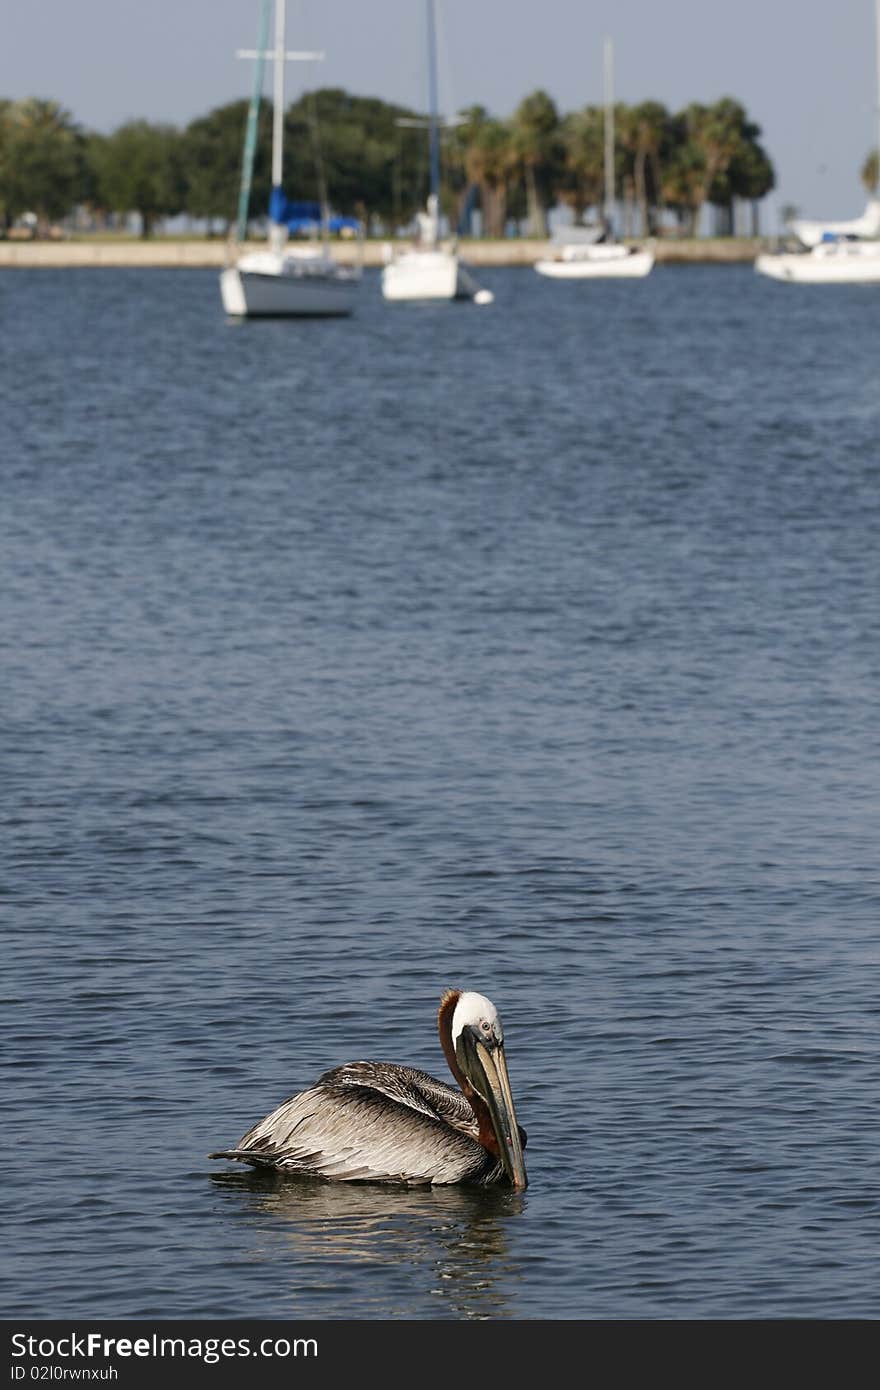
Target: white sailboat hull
column 846, row 263
column 268, row 284
column 425, row 275
column 578, row 253
column 584, row 266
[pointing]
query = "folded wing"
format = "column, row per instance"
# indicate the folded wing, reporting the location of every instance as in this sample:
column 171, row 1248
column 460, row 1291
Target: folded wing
column 370, row 1122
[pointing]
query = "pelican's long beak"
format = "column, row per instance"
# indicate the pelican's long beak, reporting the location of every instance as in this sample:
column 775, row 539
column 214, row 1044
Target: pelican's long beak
column 486, row 1069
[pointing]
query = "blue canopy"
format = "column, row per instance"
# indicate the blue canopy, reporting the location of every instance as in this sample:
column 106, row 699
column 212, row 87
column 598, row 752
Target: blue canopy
column 305, row 217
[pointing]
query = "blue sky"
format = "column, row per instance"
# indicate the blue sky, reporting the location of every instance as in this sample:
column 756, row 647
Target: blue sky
column 806, row 71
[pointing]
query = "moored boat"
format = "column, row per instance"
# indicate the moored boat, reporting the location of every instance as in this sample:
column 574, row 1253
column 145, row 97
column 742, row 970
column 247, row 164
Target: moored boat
column 288, row 280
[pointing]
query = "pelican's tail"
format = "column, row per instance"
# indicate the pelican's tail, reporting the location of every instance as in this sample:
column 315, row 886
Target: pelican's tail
column 245, row 1156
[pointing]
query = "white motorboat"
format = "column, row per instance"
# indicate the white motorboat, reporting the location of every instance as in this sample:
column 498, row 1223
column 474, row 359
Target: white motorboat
column 286, row 279
column 583, row 253
column 430, row 269
column 833, row 253
column 835, row 261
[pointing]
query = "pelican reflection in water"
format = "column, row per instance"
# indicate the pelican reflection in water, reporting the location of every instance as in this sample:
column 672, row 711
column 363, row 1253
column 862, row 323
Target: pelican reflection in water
column 380, row 1122
column 438, row 1251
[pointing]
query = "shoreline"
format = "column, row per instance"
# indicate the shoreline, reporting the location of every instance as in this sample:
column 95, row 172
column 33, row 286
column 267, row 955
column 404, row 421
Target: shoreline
column 171, row 253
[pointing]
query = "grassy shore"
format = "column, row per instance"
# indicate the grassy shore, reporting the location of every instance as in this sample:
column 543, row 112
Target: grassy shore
column 197, row 252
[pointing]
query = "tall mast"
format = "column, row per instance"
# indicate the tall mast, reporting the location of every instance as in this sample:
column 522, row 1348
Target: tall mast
column 278, row 96
column 877, row 6
column 279, row 56
column 609, row 132
column 434, row 135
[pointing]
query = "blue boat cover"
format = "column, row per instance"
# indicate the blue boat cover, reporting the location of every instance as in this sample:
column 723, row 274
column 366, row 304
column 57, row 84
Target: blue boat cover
column 305, row 217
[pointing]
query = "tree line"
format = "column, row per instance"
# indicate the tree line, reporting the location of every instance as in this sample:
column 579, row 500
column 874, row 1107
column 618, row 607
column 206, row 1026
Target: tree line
column 668, row 166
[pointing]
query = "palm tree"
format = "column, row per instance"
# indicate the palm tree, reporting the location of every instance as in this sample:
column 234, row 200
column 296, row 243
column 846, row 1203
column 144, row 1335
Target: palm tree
column 750, row 175
column 644, row 134
column 537, row 141
column 582, row 179
column 871, row 173
column 489, row 159
column 708, row 139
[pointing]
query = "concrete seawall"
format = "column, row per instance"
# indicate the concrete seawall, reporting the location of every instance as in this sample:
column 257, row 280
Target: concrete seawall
column 168, row 254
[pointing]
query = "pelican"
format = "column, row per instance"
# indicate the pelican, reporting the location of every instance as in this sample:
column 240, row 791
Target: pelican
column 379, row 1122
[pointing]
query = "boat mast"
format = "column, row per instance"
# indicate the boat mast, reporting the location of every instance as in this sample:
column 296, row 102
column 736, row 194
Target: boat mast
column 250, row 140
column 609, row 133
column 433, row 126
column 278, row 95
column 433, row 131
column 277, row 231
column 877, row 21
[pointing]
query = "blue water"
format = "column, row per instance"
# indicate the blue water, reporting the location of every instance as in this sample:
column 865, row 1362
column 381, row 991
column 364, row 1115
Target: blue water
column 533, row 649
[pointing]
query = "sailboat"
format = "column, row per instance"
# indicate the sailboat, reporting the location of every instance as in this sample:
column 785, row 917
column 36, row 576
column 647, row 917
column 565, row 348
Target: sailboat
column 833, row 253
column 582, row 253
column 430, row 269
column 284, row 280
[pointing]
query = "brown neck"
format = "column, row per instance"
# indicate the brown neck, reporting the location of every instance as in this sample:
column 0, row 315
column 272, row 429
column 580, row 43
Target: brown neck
column 486, row 1130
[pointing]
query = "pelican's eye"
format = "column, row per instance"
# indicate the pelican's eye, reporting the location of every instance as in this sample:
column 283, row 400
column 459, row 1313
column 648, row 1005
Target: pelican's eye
column 486, row 1026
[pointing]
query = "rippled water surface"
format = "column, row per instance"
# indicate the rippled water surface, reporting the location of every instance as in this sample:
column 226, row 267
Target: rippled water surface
column 532, row 648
